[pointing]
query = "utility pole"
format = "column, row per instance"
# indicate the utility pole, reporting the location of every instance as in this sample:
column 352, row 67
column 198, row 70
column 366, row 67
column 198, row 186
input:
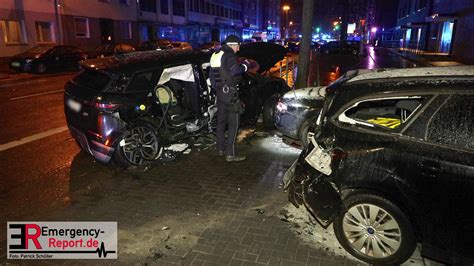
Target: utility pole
column 305, row 44
column 58, row 22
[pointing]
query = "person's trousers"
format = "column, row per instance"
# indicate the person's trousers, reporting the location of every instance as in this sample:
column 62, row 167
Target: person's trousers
column 232, row 120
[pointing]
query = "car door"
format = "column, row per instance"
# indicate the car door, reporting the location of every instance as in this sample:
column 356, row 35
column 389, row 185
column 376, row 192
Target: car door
column 438, row 163
column 55, row 57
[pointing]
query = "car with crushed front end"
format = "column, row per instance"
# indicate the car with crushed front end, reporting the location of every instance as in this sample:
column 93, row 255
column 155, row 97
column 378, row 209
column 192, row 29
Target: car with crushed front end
column 296, row 112
column 392, row 164
column 127, row 108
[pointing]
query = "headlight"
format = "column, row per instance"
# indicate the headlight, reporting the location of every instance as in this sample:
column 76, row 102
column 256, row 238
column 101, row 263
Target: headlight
column 28, row 61
column 281, row 107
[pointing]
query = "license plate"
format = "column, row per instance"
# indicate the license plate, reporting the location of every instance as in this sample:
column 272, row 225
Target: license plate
column 15, row 64
column 74, row 105
column 319, row 159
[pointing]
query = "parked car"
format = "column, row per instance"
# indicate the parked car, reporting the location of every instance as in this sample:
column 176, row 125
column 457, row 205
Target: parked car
column 340, row 47
column 128, row 107
column 181, row 46
column 111, row 49
column 43, row 58
column 296, row 112
column 392, row 164
column 157, row 45
column 210, row 46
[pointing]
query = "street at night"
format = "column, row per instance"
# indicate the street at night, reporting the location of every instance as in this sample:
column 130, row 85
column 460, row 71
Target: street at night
column 236, row 132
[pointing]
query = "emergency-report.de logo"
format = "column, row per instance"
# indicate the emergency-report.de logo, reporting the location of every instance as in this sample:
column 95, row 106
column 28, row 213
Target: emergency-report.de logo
column 62, row 240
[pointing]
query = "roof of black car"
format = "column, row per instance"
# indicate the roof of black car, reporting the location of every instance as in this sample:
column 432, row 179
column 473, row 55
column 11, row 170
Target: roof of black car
column 131, row 62
column 419, row 73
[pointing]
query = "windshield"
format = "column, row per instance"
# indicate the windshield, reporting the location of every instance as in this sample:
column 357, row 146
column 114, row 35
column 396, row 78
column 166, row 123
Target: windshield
column 176, row 44
column 40, row 49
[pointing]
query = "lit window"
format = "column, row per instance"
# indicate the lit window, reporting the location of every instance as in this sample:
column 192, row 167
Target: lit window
column 81, row 27
column 44, row 31
column 14, row 31
column 126, row 30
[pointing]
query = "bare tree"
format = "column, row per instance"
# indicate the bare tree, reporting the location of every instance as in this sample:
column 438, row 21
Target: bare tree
column 305, row 44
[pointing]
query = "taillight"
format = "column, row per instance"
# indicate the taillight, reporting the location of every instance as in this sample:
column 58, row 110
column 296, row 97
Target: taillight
column 281, row 107
column 106, row 107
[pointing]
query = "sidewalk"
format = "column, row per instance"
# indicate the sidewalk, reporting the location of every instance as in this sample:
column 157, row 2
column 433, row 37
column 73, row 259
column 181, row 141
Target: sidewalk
column 427, row 59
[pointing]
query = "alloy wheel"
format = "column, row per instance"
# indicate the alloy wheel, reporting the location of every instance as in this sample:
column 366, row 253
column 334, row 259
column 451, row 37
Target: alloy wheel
column 372, row 231
column 141, row 145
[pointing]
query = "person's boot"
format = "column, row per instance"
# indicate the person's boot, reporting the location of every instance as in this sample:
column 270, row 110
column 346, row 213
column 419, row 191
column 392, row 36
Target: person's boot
column 234, row 158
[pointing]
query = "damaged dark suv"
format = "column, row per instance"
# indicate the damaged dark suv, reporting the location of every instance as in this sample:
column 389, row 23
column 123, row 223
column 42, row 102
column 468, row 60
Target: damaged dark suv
column 129, row 107
column 392, row 164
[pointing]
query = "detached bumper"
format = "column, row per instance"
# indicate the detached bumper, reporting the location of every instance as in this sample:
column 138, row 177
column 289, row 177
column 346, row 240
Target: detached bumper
column 101, row 152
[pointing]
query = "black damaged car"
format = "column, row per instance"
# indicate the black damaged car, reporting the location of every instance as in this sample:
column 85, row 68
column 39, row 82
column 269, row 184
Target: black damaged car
column 129, row 107
column 392, row 164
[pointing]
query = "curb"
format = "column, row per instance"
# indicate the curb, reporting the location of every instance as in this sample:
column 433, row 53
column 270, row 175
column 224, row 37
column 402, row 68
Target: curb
column 395, row 51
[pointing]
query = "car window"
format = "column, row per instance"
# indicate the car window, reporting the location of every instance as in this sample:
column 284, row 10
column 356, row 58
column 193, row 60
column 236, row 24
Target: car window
column 144, row 81
column 92, row 79
column 453, row 123
column 382, row 113
column 58, row 50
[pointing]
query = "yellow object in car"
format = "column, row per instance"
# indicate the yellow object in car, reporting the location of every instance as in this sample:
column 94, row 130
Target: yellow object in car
column 386, row 122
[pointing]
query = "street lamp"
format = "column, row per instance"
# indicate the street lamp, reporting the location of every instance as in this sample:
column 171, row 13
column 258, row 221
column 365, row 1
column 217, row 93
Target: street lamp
column 286, row 8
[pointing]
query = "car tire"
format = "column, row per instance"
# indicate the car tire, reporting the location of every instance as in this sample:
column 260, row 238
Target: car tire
column 268, row 113
column 354, row 230
column 41, row 68
column 131, row 150
column 306, row 128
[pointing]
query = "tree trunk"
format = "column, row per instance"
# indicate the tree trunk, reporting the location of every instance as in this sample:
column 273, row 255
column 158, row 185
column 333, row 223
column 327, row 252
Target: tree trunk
column 305, row 44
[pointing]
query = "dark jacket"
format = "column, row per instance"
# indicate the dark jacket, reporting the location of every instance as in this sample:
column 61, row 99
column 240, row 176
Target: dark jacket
column 226, row 74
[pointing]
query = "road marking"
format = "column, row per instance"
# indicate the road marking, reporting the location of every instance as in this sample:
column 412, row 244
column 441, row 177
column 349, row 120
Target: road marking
column 31, row 138
column 27, row 80
column 36, row 94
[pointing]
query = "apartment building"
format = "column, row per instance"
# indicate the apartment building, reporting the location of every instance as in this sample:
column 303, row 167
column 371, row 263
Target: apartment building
column 24, row 24
column 437, row 27
column 89, row 23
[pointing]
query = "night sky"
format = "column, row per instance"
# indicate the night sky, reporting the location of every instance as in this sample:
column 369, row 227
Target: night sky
column 327, row 11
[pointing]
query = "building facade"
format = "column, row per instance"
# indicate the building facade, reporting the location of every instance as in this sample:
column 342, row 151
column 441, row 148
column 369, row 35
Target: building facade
column 88, row 23
column 24, row 24
column 437, row 27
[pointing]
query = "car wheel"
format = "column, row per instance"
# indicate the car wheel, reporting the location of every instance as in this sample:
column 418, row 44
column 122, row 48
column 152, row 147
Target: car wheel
column 306, row 130
column 41, row 68
column 140, row 145
column 268, row 112
column 375, row 230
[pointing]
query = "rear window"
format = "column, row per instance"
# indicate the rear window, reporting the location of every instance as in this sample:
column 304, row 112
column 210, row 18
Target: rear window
column 388, row 113
column 92, row 79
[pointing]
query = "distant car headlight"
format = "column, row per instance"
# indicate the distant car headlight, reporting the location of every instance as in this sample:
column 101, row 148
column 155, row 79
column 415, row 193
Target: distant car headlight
column 28, row 61
column 281, row 107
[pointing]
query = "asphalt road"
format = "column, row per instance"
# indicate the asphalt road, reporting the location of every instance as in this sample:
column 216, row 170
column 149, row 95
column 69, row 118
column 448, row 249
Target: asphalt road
column 41, row 165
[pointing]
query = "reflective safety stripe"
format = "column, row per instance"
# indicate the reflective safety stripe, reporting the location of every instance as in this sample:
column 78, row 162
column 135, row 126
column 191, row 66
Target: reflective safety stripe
column 216, row 59
column 386, row 122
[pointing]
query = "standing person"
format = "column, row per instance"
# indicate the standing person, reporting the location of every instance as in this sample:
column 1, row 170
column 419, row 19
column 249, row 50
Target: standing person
column 225, row 75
